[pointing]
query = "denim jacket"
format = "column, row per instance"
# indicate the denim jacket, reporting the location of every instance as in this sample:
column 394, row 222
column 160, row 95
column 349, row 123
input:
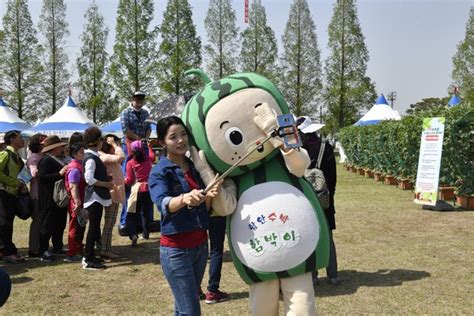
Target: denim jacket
column 167, row 181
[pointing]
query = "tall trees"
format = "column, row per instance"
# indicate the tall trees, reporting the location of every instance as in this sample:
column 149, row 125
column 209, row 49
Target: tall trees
column 222, row 34
column 348, row 89
column 55, row 76
column 133, row 65
column 92, row 66
column 463, row 61
column 180, row 48
column 259, row 48
column 301, row 61
column 19, row 64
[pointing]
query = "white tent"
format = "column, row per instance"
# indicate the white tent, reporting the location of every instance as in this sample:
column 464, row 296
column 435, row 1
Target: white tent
column 9, row 120
column 67, row 120
column 381, row 111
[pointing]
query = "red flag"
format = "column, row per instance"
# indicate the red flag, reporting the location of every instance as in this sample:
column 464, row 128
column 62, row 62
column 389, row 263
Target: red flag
column 246, row 11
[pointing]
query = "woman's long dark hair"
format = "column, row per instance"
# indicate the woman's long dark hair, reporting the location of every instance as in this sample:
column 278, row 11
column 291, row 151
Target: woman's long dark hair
column 165, row 123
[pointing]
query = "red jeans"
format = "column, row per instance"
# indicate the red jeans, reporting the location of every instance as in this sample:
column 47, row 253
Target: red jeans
column 75, row 234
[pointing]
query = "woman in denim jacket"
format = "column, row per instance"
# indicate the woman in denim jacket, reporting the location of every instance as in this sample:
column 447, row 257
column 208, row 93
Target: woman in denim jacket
column 176, row 188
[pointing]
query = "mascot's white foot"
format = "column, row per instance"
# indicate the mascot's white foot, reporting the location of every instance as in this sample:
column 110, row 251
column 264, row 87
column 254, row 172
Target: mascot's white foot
column 298, row 296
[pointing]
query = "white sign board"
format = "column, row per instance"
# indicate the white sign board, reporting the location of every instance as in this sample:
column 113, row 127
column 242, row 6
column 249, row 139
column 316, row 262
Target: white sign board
column 429, row 161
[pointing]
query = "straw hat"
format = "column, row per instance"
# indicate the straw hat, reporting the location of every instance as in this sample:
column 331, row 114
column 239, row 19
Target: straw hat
column 52, row 142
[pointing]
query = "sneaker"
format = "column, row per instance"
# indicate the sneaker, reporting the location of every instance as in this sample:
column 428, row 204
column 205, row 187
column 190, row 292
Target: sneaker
column 333, row 281
column 92, row 265
column 75, row 258
column 47, row 257
column 216, row 297
column 134, row 241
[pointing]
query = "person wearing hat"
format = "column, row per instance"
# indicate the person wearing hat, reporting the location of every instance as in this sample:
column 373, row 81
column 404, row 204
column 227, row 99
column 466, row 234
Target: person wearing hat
column 134, row 127
column 51, row 169
column 10, row 166
column 312, row 143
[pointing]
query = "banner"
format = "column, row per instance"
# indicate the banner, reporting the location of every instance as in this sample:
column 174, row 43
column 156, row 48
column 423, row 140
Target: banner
column 246, row 11
column 429, row 161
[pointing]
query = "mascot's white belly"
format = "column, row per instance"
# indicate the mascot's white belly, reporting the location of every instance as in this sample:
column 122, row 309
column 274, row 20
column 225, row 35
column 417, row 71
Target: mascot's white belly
column 274, row 227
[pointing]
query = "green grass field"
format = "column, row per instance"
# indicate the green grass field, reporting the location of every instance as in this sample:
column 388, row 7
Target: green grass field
column 394, row 258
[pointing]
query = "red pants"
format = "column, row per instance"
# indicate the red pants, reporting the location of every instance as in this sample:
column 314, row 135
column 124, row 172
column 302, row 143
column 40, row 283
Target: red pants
column 75, row 234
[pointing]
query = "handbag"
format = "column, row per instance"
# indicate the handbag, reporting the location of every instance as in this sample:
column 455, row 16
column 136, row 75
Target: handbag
column 316, row 177
column 24, row 205
column 60, row 194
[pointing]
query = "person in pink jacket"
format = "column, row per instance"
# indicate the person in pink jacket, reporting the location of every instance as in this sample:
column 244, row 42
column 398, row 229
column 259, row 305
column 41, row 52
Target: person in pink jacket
column 112, row 156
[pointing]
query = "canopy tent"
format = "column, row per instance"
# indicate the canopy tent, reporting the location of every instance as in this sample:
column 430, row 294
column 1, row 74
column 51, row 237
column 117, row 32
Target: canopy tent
column 115, row 127
column 381, row 111
column 67, row 120
column 9, row 120
column 455, row 100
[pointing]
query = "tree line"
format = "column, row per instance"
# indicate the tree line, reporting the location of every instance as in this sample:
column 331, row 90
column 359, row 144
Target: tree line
column 34, row 75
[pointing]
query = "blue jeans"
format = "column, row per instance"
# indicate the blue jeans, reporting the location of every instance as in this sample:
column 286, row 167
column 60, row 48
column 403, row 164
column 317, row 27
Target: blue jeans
column 184, row 270
column 216, row 237
column 5, row 287
column 123, row 214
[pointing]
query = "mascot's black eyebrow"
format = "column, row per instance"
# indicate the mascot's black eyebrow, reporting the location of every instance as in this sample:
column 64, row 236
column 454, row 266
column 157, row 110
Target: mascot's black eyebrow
column 257, row 105
column 220, row 126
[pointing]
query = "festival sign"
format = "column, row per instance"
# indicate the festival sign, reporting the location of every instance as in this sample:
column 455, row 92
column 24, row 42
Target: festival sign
column 429, row 161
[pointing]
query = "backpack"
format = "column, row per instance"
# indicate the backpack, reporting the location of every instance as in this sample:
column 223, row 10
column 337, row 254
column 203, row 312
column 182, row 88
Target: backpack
column 60, row 194
column 316, row 177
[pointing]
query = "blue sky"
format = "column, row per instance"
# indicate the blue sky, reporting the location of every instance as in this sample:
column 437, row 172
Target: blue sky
column 410, row 42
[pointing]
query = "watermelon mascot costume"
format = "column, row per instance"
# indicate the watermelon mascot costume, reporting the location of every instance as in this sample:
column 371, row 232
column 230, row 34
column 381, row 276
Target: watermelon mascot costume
column 277, row 233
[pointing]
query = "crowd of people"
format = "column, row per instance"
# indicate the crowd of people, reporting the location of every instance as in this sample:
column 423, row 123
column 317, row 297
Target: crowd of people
column 100, row 173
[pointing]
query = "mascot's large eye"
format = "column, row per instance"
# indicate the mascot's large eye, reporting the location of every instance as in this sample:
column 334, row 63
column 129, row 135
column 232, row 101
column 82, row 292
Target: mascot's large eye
column 234, row 137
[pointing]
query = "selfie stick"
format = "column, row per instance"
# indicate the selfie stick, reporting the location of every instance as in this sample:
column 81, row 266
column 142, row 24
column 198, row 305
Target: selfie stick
column 235, row 165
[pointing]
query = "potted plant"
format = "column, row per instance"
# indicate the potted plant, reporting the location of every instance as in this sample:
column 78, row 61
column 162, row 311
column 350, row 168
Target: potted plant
column 378, row 176
column 446, row 192
column 390, row 179
column 465, row 193
column 405, row 184
column 461, row 164
column 368, row 173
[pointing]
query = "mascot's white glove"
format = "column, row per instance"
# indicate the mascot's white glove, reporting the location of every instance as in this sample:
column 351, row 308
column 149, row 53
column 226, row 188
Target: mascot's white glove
column 266, row 121
column 200, row 162
column 226, row 201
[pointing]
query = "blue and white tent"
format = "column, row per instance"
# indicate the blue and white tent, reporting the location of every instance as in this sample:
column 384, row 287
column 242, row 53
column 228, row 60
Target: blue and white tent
column 9, row 120
column 455, row 100
column 381, row 111
column 67, row 120
column 115, row 127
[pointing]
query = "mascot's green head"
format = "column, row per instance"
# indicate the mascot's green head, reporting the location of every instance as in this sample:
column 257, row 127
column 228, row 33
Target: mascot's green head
column 220, row 118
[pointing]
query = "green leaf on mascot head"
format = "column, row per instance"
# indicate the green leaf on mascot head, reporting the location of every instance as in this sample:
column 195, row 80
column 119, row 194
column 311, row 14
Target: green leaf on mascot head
column 195, row 111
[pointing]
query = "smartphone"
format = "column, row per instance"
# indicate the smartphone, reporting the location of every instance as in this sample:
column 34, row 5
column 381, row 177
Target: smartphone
column 288, row 131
